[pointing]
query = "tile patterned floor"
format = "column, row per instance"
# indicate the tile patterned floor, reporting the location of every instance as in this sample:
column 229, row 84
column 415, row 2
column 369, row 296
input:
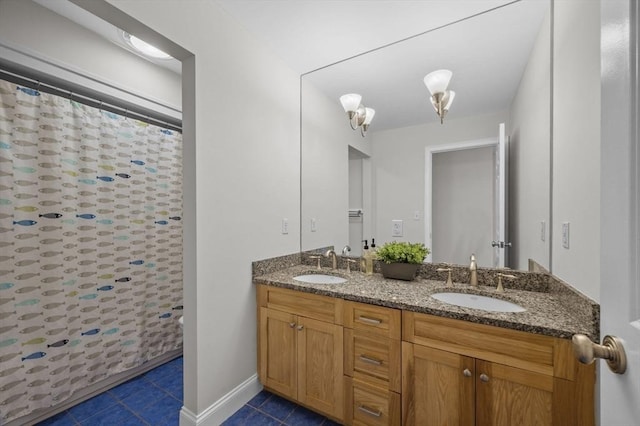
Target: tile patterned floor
column 155, row 399
column 152, row 399
column 267, row 409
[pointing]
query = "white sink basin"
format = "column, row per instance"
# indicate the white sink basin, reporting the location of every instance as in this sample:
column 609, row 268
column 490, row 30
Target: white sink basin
column 478, row 302
column 320, row 279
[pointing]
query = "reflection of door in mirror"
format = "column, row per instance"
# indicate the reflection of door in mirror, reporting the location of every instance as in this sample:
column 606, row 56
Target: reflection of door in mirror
column 462, row 210
column 464, row 206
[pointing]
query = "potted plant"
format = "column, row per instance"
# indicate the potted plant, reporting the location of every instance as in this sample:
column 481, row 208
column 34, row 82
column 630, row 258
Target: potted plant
column 401, row 260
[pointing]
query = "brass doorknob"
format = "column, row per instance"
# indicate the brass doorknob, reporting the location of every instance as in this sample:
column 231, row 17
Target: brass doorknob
column 611, row 350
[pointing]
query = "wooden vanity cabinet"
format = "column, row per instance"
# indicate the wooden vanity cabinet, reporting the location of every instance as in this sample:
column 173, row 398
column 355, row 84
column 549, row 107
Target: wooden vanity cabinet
column 461, row 373
column 372, row 361
column 300, row 341
column 370, row 365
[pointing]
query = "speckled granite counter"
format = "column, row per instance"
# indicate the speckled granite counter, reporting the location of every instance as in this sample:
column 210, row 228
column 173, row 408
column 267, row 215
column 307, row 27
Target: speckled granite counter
column 552, row 310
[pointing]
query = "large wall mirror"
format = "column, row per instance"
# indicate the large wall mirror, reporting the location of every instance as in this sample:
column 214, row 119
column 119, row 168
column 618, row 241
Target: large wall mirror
column 439, row 182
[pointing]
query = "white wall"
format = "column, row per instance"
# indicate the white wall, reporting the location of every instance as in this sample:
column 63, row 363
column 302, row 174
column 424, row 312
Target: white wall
column 35, row 29
column 241, row 161
column 325, row 175
column 576, row 143
column 356, row 201
column 529, row 129
column 398, row 167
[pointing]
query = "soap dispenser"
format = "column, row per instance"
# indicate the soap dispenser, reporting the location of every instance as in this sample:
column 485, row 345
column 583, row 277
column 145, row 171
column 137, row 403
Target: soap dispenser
column 370, row 257
column 473, row 271
column 363, row 259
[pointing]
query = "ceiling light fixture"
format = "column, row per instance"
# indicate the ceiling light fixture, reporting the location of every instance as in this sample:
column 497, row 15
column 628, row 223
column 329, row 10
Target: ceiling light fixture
column 143, row 47
column 359, row 115
column 441, row 98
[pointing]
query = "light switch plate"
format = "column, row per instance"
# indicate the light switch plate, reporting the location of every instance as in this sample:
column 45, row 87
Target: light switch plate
column 565, row 235
column 396, row 228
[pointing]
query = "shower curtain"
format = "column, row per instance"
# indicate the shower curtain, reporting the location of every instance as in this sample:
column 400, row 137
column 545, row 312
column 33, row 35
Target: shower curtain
column 90, row 246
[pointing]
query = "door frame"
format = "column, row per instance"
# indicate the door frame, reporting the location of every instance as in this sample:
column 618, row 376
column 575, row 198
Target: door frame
column 428, row 179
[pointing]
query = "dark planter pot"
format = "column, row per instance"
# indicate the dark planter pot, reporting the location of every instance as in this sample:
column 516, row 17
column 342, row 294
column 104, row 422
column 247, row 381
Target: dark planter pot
column 399, row 271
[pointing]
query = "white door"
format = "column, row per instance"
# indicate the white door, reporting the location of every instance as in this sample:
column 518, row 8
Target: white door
column 500, row 243
column 491, row 257
column 620, row 194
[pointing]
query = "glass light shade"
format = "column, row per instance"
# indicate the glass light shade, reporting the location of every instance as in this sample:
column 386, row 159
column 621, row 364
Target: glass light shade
column 350, row 102
column 145, row 48
column 452, row 95
column 437, row 81
column 368, row 116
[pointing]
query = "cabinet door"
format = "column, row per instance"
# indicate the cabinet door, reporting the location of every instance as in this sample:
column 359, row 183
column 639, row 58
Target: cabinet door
column 438, row 387
column 320, row 366
column 278, row 351
column 511, row 396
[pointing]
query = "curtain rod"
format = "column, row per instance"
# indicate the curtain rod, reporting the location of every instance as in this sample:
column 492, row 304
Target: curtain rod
column 88, row 99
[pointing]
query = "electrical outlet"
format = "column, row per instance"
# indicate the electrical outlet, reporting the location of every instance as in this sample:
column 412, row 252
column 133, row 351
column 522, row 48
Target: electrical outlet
column 314, row 225
column 565, row 235
column 543, row 230
column 396, row 228
column 285, row 226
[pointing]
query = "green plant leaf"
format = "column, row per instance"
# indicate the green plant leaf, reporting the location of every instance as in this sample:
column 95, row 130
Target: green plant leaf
column 402, row 252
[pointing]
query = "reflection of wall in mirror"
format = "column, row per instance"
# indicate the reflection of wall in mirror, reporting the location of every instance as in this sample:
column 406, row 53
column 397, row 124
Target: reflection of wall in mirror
column 528, row 124
column 325, row 175
column 398, row 164
column 529, row 153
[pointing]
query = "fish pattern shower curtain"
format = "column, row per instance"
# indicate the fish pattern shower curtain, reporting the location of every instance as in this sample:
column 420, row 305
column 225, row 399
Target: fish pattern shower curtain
column 90, row 246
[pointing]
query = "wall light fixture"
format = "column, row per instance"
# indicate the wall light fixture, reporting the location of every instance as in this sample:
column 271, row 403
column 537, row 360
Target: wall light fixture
column 359, row 115
column 441, row 98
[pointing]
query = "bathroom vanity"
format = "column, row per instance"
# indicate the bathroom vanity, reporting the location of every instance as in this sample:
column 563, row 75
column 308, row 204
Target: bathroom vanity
column 372, row 351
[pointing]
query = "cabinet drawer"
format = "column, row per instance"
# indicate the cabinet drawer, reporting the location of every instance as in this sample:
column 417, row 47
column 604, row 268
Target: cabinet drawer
column 374, row 319
column 509, row 347
column 369, row 405
column 373, row 359
column 308, row 305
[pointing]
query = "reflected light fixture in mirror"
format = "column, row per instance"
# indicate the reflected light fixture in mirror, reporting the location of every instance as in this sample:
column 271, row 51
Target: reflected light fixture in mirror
column 441, row 98
column 359, row 115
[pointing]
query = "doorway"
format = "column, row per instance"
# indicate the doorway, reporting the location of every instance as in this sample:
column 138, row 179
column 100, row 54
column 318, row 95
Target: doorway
column 465, row 201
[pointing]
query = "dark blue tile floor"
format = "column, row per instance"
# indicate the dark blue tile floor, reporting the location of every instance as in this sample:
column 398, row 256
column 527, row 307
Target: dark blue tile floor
column 267, row 409
column 151, row 399
column 155, row 399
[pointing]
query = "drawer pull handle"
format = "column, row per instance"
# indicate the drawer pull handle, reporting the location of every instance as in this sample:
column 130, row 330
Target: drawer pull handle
column 369, row 411
column 369, row 360
column 484, row 378
column 467, row 372
column 300, row 327
column 292, row 324
column 370, row 320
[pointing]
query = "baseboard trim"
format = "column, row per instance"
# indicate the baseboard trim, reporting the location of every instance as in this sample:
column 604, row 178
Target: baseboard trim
column 220, row 410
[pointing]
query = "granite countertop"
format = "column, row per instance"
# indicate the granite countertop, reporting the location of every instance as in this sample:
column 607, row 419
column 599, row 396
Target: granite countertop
column 547, row 313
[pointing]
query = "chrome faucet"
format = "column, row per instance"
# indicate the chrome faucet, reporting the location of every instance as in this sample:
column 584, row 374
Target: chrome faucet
column 334, row 259
column 345, row 251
